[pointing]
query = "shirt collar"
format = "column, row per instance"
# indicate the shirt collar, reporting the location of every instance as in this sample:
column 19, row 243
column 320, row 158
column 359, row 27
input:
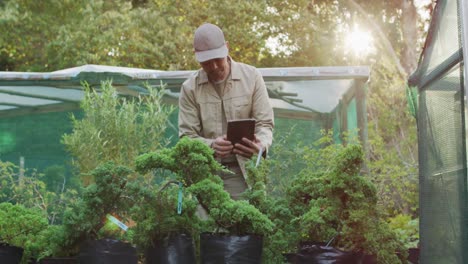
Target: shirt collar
column 235, row 72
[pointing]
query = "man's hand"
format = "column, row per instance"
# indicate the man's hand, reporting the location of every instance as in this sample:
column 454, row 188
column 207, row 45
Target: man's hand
column 248, row 148
column 222, row 147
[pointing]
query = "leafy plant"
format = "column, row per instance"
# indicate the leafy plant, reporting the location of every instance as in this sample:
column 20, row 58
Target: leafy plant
column 29, row 189
column 21, row 227
column 407, row 229
column 275, row 206
column 331, row 199
column 85, row 219
column 193, row 163
column 116, row 129
column 156, row 212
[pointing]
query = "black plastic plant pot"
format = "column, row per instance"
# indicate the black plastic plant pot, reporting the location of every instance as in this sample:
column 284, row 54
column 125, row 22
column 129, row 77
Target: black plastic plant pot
column 107, row 251
column 10, row 254
column 175, row 249
column 222, row 248
column 289, row 257
column 320, row 253
column 413, row 255
column 58, row 261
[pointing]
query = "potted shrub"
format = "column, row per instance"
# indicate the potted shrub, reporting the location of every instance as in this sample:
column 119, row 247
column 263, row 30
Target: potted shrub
column 334, row 204
column 19, row 231
column 86, row 230
column 48, row 246
column 30, row 191
column 165, row 217
column 408, row 233
column 239, row 224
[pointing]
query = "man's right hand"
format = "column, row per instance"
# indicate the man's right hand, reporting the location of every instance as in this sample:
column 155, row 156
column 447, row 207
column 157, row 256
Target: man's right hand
column 222, row 147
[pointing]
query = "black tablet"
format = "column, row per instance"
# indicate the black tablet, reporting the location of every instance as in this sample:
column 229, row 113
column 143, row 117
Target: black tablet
column 237, row 129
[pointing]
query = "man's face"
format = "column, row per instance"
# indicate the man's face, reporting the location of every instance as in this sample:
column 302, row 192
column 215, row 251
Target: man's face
column 216, row 69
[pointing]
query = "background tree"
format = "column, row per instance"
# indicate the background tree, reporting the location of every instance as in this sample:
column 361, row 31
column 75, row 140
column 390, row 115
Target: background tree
column 152, row 34
column 51, row 35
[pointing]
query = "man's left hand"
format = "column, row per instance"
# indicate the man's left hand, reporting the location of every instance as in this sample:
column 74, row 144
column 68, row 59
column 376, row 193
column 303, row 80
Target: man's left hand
column 248, row 148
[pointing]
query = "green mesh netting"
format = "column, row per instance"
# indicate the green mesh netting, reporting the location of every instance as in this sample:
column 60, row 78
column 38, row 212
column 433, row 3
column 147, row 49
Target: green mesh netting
column 412, row 98
column 352, row 121
column 442, row 141
column 37, row 137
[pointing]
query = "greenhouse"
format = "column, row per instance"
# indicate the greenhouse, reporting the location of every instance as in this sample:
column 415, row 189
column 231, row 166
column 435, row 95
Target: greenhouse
column 441, row 115
column 111, row 152
column 96, row 147
column 35, row 107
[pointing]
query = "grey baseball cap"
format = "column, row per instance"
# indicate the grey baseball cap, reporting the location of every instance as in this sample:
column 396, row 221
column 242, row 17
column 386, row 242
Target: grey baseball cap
column 209, row 43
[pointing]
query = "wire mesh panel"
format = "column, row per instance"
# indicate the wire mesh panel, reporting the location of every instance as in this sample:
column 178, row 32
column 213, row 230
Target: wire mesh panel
column 441, row 140
column 442, row 171
column 35, row 139
column 447, row 41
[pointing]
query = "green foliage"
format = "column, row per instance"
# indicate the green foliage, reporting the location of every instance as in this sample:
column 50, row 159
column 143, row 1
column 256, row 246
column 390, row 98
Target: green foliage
column 84, row 219
column 116, row 129
column 158, row 34
column 193, row 163
column 190, row 161
column 296, row 172
column 155, row 35
column 31, row 191
column 393, row 153
column 50, row 241
column 21, row 227
column 332, row 200
column 285, row 159
column 237, row 217
column 283, row 237
column 407, row 230
column 156, row 216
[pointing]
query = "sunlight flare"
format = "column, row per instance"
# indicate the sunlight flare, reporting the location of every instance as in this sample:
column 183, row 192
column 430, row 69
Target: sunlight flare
column 359, row 42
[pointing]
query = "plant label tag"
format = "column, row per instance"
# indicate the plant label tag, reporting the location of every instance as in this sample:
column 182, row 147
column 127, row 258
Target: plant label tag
column 179, row 198
column 259, row 157
column 117, row 222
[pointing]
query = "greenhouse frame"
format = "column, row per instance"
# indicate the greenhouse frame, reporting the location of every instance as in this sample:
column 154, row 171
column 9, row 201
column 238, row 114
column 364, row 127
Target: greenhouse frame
column 441, row 118
column 314, row 98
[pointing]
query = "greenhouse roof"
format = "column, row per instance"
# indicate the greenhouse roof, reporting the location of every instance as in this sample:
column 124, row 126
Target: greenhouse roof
column 299, row 92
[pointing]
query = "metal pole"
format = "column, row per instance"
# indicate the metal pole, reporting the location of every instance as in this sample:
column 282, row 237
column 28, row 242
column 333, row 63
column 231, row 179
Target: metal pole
column 463, row 20
column 21, row 170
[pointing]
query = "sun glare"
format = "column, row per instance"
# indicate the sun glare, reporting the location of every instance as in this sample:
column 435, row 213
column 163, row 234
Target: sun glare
column 359, row 42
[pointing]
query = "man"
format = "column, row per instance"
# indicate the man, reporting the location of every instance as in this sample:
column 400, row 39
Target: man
column 224, row 90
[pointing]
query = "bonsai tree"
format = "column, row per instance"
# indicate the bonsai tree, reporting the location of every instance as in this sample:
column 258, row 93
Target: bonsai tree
column 21, row 227
column 331, row 200
column 157, row 211
column 193, row 164
column 86, row 219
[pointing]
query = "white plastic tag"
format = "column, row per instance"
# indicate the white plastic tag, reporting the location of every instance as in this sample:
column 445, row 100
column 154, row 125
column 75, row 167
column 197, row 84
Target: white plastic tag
column 117, row 222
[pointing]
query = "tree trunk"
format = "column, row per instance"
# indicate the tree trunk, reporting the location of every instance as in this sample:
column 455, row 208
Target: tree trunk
column 409, row 31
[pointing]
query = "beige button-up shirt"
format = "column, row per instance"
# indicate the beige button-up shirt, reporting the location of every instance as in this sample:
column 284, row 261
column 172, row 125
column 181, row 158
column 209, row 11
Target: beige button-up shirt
column 245, row 96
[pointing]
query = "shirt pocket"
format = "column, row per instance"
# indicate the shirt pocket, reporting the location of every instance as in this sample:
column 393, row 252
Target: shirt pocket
column 210, row 115
column 240, row 107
